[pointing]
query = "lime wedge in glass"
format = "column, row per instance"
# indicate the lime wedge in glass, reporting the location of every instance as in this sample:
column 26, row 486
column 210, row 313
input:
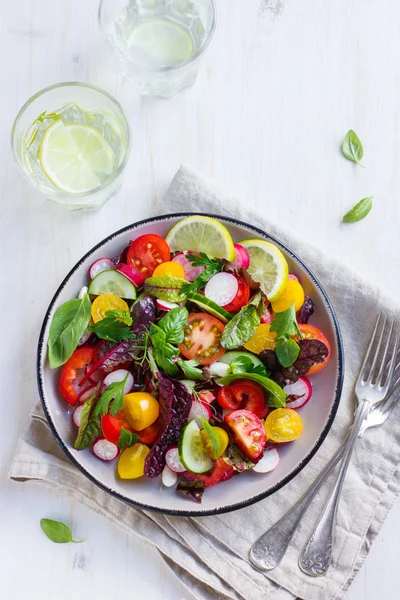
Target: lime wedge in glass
column 75, row 158
column 160, row 43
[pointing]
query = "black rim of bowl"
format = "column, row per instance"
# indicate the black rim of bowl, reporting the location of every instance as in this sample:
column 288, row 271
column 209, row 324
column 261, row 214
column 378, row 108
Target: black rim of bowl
column 237, row 505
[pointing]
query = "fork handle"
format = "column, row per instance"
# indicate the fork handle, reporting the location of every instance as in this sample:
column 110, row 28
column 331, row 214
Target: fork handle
column 317, row 554
column 267, row 552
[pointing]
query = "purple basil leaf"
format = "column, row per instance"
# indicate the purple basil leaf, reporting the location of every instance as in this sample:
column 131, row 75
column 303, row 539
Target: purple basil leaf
column 303, row 315
column 191, row 489
column 175, row 404
column 143, row 314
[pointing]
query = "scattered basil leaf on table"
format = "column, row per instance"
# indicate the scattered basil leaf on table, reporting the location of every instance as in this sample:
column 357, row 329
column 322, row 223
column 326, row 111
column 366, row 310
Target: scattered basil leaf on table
column 112, row 328
column 115, row 394
column 352, row 148
column 212, row 267
column 243, row 325
column 276, row 396
column 165, row 287
column 127, row 439
column 244, row 364
column 69, row 323
column 190, row 368
column 359, row 211
column 57, row 532
column 90, row 427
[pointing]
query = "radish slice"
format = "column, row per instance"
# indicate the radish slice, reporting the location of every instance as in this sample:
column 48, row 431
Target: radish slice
column 105, row 450
column 199, row 409
column 302, row 389
column 82, row 292
column 242, row 258
column 85, row 336
column 76, row 415
column 99, row 265
column 93, row 378
column 87, row 393
column 219, row 369
column 168, row 477
column 119, row 375
column 191, row 272
column 131, row 273
column 222, row 288
column 293, row 276
column 268, row 462
column 165, row 305
column 173, row 461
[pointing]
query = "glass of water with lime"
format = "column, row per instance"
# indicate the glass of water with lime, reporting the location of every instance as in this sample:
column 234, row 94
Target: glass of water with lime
column 72, row 141
column 160, row 42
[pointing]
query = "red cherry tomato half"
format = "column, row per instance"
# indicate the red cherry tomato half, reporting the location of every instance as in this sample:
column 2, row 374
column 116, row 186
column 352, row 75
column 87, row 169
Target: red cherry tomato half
column 241, row 298
column 112, row 425
column 73, row 372
column 310, row 332
column 147, row 252
column 221, row 472
column 245, row 394
column 150, row 434
column 248, row 432
column 202, row 338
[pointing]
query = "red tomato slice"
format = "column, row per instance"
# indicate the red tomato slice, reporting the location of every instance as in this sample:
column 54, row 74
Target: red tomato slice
column 241, row 298
column 220, row 472
column 73, row 372
column 243, row 394
column 112, row 425
column 248, row 432
column 313, row 333
column 202, row 338
column 227, row 400
column 150, row 434
column 147, row 252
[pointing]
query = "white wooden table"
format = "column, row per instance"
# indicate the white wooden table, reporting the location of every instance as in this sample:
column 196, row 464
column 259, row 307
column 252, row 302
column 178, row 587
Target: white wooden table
column 283, row 81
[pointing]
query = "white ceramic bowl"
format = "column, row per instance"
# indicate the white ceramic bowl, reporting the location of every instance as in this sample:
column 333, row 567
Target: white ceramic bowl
column 239, row 491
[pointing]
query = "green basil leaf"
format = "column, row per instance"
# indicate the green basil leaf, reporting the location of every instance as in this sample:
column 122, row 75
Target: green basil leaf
column 165, row 287
column 241, row 327
column 127, row 438
column 352, row 148
column 244, row 364
column 69, row 323
column 359, row 211
column 163, row 357
column 276, row 396
column 173, row 324
column 57, row 532
column 214, row 437
column 189, row 368
column 287, row 351
column 90, row 427
column 285, row 323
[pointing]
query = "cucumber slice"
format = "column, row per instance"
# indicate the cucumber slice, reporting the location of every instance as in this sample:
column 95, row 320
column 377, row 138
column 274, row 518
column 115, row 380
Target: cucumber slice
column 112, row 282
column 211, row 307
column 192, row 453
column 229, row 357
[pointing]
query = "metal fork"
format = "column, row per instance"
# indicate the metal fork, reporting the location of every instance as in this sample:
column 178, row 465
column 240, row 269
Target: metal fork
column 268, row 551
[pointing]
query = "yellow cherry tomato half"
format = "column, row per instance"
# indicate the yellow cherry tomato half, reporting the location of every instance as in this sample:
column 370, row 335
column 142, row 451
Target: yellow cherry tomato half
column 293, row 292
column 169, row 268
column 223, row 440
column 141, row 410
column 263, row 339
column 106, row 302
column 283, row 425
column 131, row 461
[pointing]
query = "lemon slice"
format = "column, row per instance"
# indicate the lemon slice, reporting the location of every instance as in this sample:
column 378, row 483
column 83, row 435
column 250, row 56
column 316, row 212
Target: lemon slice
column 75, row 158
column 160, row 43
column 202, row 234
column 267, row 266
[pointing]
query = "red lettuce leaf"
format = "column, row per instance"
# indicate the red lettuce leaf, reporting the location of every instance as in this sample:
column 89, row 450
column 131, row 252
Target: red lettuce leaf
column 191, row 489
column 311, row 353
column 307, row 309
column 175, row 404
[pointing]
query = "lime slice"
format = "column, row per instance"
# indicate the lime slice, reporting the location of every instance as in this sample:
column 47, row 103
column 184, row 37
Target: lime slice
column 267, row 266
column 160, row 43
column 75, row 158
column 202, row 234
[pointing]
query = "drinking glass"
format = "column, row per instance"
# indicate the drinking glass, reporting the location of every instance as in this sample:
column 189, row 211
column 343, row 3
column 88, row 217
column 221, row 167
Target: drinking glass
column 160, row 42
column 72, row 141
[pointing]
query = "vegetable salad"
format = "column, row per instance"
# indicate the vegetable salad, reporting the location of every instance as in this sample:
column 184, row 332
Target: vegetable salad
column 188, row 358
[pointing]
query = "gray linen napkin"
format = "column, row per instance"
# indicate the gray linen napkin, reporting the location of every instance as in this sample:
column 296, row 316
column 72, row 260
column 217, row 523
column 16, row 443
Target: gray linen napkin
column 210, row 554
